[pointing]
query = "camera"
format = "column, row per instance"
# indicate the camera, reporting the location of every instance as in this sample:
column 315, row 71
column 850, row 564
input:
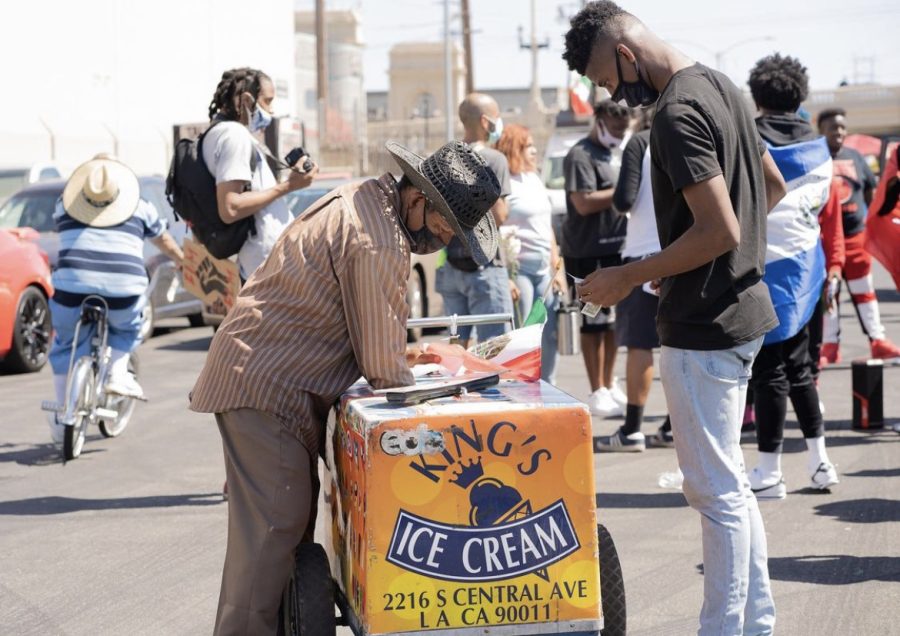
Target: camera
column 293, row 157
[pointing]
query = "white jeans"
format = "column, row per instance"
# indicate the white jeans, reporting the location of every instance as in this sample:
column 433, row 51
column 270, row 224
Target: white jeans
column 706, row 392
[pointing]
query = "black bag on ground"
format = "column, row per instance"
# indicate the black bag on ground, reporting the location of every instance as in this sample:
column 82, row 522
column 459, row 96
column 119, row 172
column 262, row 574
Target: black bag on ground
column 191, row 191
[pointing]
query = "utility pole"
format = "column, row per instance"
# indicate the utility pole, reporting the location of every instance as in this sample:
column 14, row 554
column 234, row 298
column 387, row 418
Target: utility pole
column 321, row 72
column 448, row 79
column 535, row 103
column 467, row 47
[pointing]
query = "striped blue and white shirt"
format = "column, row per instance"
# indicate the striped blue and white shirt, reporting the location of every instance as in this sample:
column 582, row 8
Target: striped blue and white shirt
column 105, row 260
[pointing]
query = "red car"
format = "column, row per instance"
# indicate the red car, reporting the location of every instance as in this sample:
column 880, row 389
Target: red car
column 25, row 288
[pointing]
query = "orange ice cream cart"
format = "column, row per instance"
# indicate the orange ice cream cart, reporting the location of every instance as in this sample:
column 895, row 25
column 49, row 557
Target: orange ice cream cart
column 463, row 515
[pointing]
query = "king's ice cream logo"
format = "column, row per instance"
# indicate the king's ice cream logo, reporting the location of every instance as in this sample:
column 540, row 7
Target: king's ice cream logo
column 505, row 536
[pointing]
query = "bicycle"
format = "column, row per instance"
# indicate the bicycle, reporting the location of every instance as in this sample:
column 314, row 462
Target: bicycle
column 87, row 403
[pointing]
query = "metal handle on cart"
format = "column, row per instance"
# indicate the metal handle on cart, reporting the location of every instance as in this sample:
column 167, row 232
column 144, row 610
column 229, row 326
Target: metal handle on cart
column 448, row 321
column 455, row 320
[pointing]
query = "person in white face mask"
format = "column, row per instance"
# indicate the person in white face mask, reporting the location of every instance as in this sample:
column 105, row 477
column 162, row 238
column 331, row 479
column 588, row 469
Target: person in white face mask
column 592, row 238
column 241, row 108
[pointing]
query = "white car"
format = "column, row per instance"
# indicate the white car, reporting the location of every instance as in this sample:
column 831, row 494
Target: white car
column 14, row 179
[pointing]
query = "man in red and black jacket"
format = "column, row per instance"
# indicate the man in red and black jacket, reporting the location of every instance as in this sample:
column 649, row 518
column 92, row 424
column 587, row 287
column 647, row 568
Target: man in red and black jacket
column 855, row 184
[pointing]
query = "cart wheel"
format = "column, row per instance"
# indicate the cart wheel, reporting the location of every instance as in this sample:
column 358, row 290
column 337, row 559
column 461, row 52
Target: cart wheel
column 612, row 586
column 308, row 604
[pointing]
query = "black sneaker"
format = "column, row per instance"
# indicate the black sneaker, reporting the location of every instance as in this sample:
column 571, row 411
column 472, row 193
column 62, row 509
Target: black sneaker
column 618, row 442
column 661, row 439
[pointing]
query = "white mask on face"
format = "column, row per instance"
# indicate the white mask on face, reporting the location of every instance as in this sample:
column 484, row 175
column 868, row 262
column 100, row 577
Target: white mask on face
column 608, row 139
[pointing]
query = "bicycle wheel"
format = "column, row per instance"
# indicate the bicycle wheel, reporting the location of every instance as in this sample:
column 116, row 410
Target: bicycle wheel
column 124, row 406
column 612, row 586
column 82, row 399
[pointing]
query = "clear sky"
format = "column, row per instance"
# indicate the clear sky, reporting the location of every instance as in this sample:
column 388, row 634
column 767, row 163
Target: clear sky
column 827, row 35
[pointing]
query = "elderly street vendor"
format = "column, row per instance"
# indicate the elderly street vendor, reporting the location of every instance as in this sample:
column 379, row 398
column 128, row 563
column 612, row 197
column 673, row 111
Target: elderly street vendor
column 327, row 305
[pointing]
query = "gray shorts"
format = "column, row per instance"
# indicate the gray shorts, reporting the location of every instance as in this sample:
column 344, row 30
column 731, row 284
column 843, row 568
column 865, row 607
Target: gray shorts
column 636, row 320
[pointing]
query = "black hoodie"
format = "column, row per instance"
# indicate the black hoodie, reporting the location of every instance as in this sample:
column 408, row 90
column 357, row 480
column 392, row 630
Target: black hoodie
column 783, row 130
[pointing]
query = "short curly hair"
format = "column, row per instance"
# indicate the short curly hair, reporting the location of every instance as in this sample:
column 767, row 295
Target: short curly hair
column 779, row 83
column 829, row 113
column 594, row 21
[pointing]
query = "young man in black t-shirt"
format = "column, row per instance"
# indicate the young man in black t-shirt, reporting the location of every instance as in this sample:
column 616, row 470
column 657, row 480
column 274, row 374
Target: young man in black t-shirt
column 713, row 184
column 855, row 183
column 592, row 237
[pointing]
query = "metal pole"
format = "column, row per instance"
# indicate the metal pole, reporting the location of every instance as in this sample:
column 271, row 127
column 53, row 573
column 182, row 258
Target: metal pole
column 321, row 71
column 467, row 47
column 448, row 79
column 535, row 89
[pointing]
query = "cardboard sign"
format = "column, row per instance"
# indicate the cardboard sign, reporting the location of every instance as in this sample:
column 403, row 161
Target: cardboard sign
column 214, row 281
column 470, row 513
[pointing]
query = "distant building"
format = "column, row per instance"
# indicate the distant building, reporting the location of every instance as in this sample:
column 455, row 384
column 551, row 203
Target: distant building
column 346, row 107
column 511, row 100
column 417, row 86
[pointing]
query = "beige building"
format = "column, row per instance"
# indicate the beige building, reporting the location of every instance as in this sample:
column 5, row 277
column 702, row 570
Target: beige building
column 872, row 109
column 417, row 80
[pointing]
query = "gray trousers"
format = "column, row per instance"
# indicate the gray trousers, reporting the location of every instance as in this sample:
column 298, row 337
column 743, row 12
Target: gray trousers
column 272, row 489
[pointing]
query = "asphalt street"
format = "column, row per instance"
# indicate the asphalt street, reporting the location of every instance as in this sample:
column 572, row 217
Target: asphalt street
column 129, row 538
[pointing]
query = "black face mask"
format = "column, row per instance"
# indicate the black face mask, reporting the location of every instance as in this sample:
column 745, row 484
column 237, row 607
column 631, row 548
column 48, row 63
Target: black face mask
column 637, row 93
column 423, row 241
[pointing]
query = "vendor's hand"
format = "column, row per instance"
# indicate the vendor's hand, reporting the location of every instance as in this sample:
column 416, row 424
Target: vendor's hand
column 514, row 291
column 415, row 355
column 606, row 287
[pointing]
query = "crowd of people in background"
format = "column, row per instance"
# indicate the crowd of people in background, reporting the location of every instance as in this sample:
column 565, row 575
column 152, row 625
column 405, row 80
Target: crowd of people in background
column 701, row 243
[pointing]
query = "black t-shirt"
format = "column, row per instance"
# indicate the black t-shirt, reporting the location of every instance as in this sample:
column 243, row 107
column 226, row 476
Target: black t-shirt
column 587, row 169
column 703, row 129
column 457, row 253
column 630, row 174
column 852, row 177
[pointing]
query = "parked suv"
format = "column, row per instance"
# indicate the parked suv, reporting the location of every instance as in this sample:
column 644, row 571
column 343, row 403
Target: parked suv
column 33, row 207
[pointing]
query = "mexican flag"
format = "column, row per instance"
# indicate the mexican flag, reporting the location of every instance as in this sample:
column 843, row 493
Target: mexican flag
column 580, row 95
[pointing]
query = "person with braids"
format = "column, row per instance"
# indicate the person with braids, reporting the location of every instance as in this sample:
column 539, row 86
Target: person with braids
column 784, row 368
column 714, row 182
column 245, row 185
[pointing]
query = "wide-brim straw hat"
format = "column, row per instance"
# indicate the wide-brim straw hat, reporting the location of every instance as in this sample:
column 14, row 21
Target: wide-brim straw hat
column 101, row 192
column 461, row 188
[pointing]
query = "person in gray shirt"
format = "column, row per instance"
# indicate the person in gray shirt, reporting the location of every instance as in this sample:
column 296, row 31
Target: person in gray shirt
column 466, row 287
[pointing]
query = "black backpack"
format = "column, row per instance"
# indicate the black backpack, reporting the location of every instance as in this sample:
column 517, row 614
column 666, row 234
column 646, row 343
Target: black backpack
column 191, row 191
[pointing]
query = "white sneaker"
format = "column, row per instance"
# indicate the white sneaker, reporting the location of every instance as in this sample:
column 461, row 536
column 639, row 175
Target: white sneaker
column 125, row 385
column 617, row 394
column 602, row 403
column 768, row 488
column 57, row 430
column 824, row 477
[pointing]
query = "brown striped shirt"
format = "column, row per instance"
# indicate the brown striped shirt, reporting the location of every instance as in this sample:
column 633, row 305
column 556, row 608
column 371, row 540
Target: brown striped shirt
column 327, row 306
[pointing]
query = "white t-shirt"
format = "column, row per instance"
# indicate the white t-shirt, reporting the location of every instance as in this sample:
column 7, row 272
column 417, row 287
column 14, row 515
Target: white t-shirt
column 530, row 211
column 641, row 238
column 226, row 151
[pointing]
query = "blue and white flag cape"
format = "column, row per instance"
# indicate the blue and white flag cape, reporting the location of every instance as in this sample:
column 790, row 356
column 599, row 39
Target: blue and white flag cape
column 795, row 261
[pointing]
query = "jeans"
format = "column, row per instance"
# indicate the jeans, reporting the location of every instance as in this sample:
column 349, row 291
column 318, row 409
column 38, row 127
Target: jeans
column 533, row 285
column 484, row 291
column 124, row 332
column 706, row 392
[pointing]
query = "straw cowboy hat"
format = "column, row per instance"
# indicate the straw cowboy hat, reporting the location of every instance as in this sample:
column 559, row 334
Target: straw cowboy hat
column 102, row 192
column 461, row 188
